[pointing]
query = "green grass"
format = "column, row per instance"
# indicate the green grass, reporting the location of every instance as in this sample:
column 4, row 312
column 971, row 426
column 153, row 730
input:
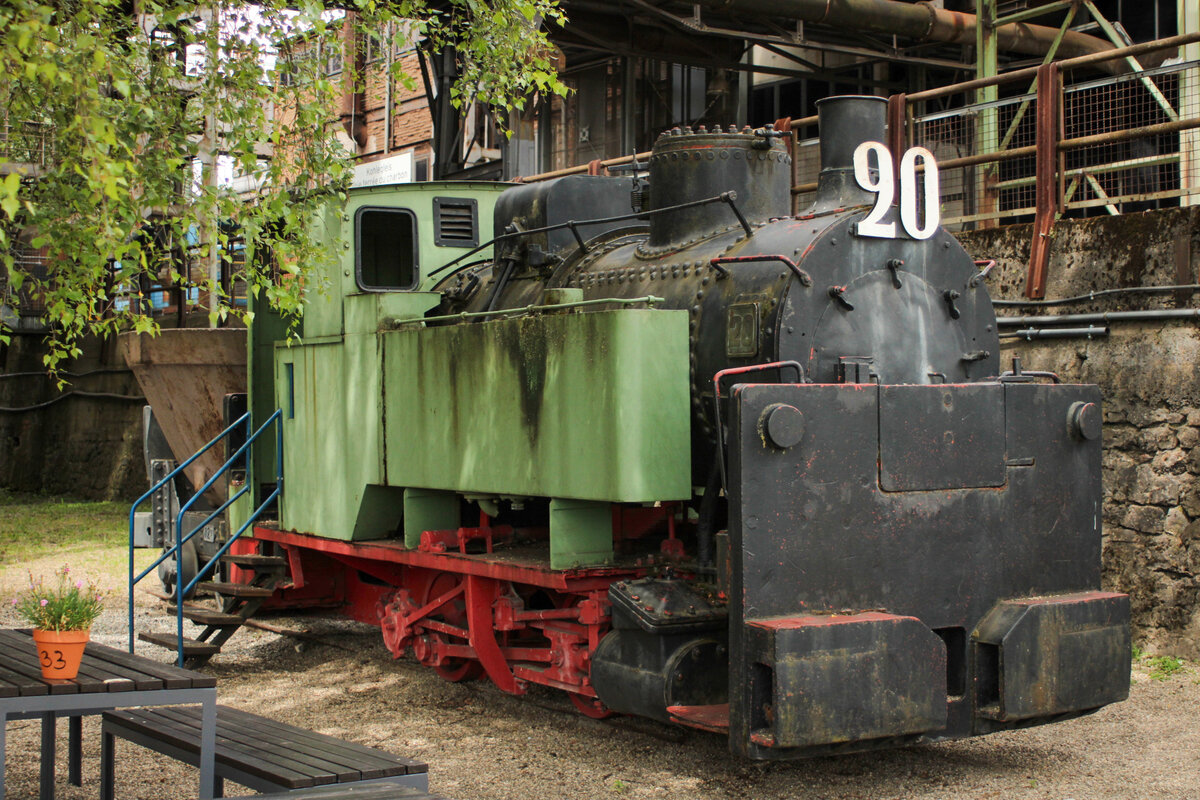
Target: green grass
column 34, row 526
column 1163, row 667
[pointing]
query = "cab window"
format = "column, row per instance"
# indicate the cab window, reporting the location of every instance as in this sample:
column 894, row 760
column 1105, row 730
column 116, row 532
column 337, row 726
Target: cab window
column 385, row 242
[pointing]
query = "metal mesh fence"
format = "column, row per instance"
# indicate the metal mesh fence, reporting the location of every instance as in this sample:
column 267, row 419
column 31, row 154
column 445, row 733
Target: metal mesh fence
column 1119, row 140
column 1131, row 174
column 972, row 192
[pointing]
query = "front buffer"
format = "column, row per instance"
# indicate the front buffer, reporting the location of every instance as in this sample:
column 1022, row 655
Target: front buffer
column 911, row 563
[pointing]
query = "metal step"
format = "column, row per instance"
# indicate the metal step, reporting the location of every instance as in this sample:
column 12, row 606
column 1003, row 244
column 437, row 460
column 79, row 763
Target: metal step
column 208, row 616
column 191, row 647
column 237, row 589
column 252, row 560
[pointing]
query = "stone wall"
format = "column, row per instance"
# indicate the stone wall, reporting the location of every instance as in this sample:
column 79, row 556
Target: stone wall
column 1150, row 375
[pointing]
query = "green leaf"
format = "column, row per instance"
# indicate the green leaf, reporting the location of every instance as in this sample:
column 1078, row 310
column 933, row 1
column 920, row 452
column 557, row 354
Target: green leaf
column 9, row 202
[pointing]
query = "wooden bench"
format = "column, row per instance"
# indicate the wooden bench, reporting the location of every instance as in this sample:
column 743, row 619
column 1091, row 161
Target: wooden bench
column 266, row 755
column 348, row 791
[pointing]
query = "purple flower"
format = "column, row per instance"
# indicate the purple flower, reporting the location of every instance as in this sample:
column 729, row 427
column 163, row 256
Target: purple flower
column 79, row 584
column 45, row 602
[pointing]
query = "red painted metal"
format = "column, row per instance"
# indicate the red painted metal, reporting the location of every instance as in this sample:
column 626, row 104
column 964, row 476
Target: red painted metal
column 242, row 547
column 468, row 615
column 481, row 593
column 441, row 541
column 1046, row 191
column 295, row 567
column 590, row 706
column 822, row 620
column 530, row 571
column 713, row 718
column 725, row 373
column 671, row 546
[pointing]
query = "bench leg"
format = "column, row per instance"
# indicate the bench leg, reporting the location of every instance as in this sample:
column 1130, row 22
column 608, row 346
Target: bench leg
column 107, row 779
column 3, row 762
column 208, row 749
column 75, row 751
column 46, row 789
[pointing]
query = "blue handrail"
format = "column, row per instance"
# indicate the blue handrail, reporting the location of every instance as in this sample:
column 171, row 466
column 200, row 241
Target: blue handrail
column 180, row 539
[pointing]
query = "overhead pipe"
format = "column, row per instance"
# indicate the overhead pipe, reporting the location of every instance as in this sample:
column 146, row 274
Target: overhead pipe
column 921, row 22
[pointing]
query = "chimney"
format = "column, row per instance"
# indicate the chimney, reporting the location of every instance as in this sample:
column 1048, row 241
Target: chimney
column 844, row 123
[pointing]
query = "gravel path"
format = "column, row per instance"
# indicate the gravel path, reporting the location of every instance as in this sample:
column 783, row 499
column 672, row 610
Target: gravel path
column 482, row 744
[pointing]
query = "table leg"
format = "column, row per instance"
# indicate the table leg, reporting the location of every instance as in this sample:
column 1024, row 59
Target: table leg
column 74, row 751
column 208, row 747
column 107, row 779
column 48, row 733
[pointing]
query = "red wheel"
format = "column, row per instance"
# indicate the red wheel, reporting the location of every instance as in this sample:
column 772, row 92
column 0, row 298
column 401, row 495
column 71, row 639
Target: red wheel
column 454, row 613
column 590, row 706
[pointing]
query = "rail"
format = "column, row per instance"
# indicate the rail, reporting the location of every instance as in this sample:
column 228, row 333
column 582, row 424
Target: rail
column 240, row 455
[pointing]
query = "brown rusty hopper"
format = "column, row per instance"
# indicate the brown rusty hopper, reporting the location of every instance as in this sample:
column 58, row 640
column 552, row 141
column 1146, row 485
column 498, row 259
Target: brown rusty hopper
column 185, row 375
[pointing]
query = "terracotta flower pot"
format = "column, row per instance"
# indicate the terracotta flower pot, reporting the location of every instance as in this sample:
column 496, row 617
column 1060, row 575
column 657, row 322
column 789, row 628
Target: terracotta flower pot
column 59, row 652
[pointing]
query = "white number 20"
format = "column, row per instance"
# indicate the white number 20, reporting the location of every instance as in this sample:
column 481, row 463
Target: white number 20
column 881, row 183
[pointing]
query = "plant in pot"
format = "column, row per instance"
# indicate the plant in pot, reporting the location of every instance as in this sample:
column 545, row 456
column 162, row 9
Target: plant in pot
column 61, row 614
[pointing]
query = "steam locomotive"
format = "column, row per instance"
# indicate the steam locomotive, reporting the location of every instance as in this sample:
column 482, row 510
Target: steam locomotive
column 680, row 454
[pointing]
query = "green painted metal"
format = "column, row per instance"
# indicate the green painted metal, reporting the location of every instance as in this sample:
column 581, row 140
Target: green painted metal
column 332, row 428
column 579, row 304
column 987, row 133
column 326, row 311
column 580, row 534
column 329, row 383
column 587, row 406
column 1037, row 11
column 1050, row 54
column 1117, row 39
column 426, row 510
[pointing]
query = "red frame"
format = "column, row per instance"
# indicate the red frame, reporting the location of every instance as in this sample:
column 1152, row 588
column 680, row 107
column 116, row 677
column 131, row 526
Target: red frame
column 467, row 615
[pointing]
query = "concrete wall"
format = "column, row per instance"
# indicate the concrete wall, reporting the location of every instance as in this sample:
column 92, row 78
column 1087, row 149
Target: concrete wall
column 82, row 445
column 1150, row 376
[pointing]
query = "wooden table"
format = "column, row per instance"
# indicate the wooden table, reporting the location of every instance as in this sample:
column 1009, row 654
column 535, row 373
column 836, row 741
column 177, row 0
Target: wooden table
column 108, row 678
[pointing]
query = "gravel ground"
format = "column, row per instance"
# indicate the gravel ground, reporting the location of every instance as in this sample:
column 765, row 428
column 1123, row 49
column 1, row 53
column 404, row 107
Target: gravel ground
column 482, row 744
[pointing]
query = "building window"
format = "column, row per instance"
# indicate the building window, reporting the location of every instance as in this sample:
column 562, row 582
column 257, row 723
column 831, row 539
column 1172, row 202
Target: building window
column 376, row 47
column 385, row 256
column 333, row 63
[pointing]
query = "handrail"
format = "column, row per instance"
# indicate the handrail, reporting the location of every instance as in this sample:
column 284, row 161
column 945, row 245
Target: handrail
column 133, row 510
column 181, row 593
column 175, row 550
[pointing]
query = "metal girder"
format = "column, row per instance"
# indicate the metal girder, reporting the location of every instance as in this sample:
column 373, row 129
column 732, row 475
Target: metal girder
column 1016, row 121
column 1111, row 32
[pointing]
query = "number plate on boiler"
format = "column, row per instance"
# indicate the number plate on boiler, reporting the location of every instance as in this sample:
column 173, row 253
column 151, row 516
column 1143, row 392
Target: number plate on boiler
column 741, row 336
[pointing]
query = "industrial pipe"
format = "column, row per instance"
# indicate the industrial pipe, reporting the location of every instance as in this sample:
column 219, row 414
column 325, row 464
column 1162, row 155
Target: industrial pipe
column 1090, row 296
column 1090, row 332
column 1103, row 317
column 919, row 21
